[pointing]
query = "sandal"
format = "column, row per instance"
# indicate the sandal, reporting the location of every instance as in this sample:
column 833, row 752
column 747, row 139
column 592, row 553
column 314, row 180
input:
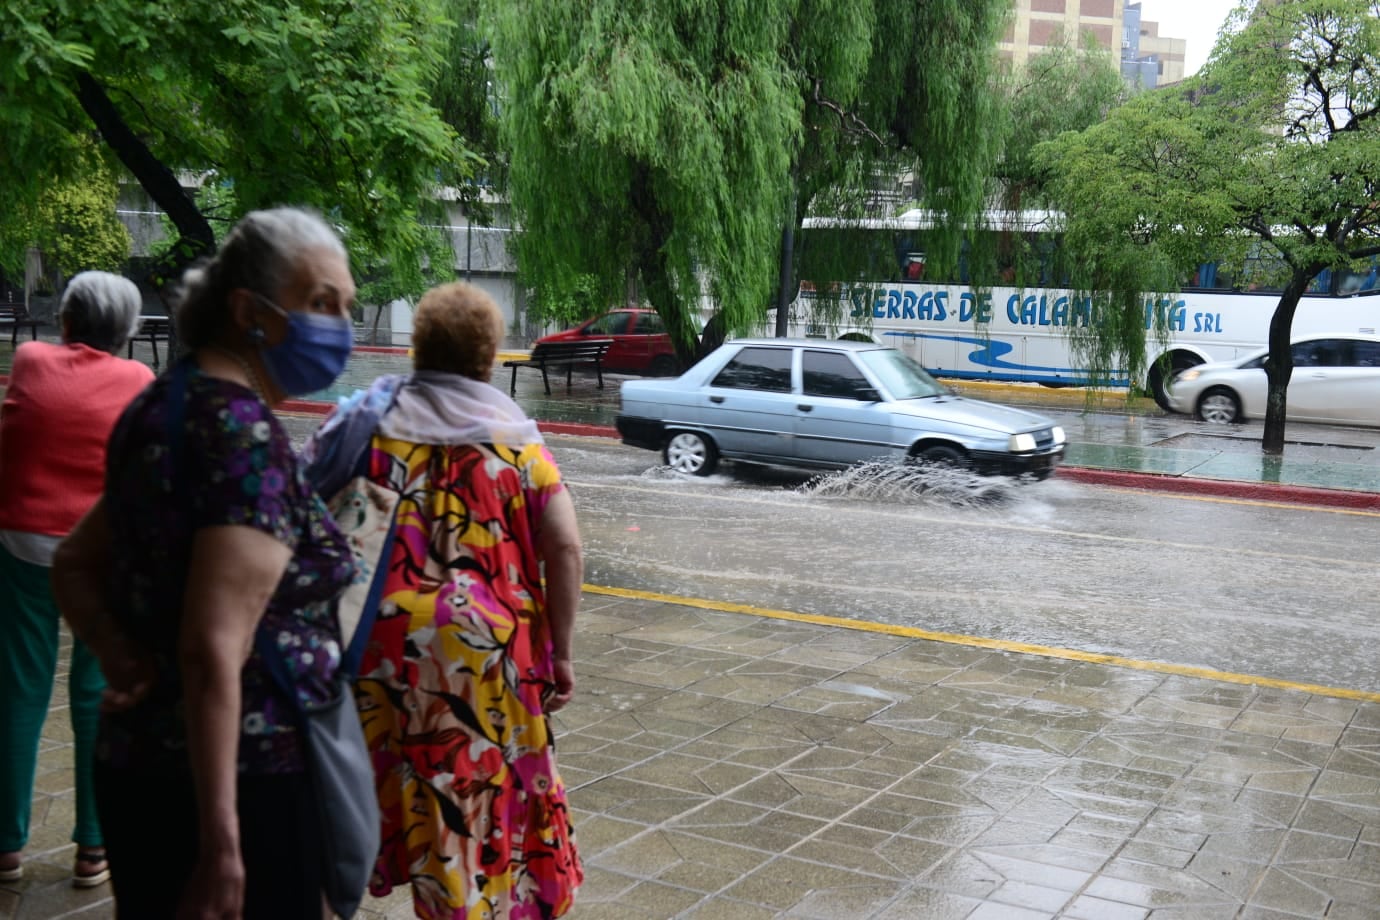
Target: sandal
column 91, row 869
column 13, row 869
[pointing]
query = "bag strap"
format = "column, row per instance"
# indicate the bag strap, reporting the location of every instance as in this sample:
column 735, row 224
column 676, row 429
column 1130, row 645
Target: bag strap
column 352, row 657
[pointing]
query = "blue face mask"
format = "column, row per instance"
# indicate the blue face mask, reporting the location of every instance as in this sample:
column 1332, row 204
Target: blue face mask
column 312, row 354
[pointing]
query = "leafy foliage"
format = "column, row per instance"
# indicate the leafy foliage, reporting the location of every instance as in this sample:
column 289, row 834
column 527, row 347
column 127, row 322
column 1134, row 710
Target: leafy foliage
column 1272, row 153
column 1064, row 87
column 322, row 103
column 71, row 220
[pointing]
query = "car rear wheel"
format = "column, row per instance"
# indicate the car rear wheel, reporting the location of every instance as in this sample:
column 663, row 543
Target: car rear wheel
column 688, row 452
column 1219, row 406
column 663, row 366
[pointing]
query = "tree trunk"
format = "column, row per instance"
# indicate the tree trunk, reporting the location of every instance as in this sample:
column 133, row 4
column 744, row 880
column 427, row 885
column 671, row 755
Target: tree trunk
column 195, row 237
column 656, row 274
column 1279, row 367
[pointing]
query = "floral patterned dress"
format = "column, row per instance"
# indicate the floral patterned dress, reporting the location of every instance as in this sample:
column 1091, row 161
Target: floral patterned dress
column 236, row 467
column 451, row 686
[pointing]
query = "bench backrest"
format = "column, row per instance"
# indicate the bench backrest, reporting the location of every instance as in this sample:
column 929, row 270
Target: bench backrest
column 561, row 351
column 13, row 311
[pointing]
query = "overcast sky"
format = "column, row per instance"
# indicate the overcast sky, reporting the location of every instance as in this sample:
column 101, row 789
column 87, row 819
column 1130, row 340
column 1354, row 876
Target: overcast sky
column 1197, row 21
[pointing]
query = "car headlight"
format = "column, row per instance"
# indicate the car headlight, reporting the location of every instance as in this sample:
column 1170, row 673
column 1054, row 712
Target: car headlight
column 1186, row 376
column 1021, row 443
column 1059, row 437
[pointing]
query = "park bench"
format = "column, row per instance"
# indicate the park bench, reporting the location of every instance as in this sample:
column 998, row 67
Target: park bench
column 563, row 354
column 15, row 316
column 152, row 327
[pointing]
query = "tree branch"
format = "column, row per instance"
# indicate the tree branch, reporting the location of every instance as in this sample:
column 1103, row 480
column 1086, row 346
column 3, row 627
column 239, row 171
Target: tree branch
column 849, row 121
column 196, row 238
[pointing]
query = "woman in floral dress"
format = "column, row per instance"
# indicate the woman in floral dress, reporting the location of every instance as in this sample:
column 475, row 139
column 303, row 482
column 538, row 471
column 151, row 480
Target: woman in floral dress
column 470, row 651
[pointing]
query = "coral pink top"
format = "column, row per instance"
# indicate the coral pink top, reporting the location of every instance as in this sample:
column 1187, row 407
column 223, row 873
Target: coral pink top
column 60, row 406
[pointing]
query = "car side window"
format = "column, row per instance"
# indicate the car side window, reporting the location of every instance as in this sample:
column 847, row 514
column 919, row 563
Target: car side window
column 648, row 324
column 1365, row 354
column 758, row 369
column 1321, row 353
column 608, row 324
column 828, row 373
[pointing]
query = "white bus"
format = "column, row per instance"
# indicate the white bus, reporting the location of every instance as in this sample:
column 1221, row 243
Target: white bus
column 1010, row 333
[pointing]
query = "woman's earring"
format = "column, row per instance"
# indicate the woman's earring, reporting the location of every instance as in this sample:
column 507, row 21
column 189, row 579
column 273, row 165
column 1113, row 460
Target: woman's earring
column 256, row 334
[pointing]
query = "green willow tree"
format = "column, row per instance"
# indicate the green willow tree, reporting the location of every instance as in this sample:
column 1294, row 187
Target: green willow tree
column 323, row 104
column 677, row 145
column 1271, row 154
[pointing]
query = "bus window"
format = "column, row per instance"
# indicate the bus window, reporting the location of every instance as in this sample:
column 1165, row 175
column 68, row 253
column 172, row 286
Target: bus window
column 1350, row 282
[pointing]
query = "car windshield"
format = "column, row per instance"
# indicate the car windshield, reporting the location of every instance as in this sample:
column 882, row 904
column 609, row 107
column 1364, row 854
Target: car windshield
column 900, row 374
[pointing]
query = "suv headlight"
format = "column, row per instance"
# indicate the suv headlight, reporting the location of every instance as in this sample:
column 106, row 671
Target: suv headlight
column 1021, row 443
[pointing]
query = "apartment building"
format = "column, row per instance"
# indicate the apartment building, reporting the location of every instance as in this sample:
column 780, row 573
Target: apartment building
column 1147, row 57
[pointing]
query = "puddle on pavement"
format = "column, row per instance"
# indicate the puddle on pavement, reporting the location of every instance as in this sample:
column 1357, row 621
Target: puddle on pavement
column 1295, row 450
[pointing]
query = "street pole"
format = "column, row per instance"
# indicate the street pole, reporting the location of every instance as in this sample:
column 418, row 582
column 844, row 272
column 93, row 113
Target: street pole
column 783, row 294
column 469, row 250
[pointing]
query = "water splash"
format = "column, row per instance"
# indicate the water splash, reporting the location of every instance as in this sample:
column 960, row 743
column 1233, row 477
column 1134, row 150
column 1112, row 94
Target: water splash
column 910, row 483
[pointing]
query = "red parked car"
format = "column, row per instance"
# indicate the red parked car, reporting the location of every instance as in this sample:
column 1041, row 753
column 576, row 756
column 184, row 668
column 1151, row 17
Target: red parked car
column 641, row 344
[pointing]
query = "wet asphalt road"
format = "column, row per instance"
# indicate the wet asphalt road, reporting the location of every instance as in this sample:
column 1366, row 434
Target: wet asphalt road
column 1286, row 592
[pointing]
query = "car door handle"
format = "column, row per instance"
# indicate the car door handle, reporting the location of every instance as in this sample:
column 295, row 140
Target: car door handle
column 803, row 407
column 716, row 399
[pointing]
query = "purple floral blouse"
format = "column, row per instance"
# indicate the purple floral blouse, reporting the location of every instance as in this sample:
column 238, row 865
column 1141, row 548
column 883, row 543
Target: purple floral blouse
column 237, row 467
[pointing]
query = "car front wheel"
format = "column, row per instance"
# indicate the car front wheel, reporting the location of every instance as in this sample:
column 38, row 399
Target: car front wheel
column 688, row 452
column 1219, row 406
column 942, row 455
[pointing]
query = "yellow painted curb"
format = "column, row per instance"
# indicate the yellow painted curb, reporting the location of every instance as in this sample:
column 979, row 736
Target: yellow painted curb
column 1000, row 645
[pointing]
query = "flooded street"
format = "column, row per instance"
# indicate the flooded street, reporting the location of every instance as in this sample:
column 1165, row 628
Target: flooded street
column 1280, row 591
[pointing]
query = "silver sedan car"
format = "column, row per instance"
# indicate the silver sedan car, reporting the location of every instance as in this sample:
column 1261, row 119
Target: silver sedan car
column 1336, row 379
column 819, row 404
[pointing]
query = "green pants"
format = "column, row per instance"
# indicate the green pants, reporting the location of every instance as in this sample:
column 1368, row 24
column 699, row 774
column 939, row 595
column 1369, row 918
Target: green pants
column 28, row 664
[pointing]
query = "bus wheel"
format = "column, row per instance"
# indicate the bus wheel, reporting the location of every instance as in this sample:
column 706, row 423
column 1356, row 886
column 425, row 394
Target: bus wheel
column 688, row 452
column 1179, row 361
column 1219, row 406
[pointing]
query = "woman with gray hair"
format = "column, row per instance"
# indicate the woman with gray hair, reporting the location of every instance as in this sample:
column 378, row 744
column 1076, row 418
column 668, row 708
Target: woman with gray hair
column 208, row 567
column 60, row 406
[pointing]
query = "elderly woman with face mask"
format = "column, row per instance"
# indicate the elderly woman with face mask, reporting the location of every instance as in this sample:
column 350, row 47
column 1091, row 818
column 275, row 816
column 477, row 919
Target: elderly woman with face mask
column 60, row 405
column 208, row 538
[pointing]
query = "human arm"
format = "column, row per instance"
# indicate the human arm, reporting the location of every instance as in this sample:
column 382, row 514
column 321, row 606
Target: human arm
column 79, row 576
column 563, row 557
column 232, row 574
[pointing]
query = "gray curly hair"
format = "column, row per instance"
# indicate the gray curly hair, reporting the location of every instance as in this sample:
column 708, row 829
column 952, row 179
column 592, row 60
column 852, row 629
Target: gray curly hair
column 259, row 254
column 100, row 310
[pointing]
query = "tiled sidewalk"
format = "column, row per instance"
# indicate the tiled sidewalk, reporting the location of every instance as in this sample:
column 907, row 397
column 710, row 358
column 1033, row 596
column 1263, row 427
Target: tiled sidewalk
column 727, row 765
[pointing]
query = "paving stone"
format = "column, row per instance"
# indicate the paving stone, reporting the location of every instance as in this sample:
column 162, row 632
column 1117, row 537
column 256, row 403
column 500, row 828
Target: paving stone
column 726, row 766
